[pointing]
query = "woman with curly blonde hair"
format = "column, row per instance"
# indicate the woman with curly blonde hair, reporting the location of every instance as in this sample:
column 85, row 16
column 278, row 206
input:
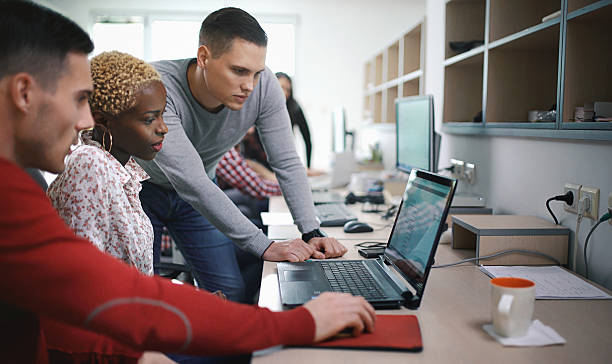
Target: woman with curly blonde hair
column 97, row 193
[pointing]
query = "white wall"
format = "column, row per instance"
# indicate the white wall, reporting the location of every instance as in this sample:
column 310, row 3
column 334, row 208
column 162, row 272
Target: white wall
column 334, row 40
column 517, row 175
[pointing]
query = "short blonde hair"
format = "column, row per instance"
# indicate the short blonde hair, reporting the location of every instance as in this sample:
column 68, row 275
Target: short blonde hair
column 117, row 78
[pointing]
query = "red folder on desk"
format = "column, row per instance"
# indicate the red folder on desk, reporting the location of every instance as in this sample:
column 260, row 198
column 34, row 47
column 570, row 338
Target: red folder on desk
column 393, row 332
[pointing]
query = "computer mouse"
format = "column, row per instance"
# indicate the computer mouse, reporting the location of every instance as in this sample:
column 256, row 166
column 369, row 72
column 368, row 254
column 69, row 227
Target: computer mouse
column 446, row 237
column 357, row 227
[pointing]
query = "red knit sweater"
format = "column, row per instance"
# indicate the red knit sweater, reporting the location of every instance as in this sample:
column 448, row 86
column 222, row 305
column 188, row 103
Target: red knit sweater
column 45, row 270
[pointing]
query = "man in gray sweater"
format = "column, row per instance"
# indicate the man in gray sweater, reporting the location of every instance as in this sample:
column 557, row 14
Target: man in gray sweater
column 212, row 101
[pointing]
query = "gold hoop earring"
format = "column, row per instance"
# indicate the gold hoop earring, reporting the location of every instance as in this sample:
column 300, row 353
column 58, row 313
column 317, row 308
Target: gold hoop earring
column 110, row 135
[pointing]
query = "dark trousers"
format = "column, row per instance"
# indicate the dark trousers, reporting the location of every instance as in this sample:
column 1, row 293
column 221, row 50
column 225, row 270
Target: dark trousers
column 216, row 262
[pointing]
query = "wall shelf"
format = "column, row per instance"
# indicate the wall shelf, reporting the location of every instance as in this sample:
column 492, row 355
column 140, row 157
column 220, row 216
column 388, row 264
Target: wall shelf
column 411, row 88
column 465, row 22
column 573, row 5
column 528, row 63
column 522, row 76
column 578, row 134
column 463, row 89
column 526, row 32
column 465, row 55
column 512, row 16
column 588, row 74
column 396, row 71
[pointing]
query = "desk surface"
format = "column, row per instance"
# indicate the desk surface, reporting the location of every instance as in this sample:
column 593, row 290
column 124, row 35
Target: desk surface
column 455, row 306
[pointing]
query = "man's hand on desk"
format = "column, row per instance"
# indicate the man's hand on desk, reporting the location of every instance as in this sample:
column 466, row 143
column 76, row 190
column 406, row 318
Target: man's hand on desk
column 333, row 312
column 330, row 246
column 297, row 250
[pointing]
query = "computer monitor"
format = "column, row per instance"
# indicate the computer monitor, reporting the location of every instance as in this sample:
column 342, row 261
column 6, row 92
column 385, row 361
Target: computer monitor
column 338, row 130
column 417, row 143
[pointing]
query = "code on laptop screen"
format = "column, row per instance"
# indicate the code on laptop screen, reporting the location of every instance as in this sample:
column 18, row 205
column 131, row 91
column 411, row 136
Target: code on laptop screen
column 413, row 239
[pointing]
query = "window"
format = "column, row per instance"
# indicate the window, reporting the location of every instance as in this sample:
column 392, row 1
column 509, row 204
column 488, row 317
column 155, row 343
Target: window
column 281, row 47
column 174, row 39
column 152, row 37
column 125, row 35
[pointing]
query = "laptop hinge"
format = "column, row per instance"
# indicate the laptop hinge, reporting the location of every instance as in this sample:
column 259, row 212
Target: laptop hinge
column 411, row 300
column 401, row 286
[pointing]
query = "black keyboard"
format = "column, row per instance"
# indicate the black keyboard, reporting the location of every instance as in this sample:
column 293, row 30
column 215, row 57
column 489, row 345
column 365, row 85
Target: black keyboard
column 333, row 214
column 352, row 277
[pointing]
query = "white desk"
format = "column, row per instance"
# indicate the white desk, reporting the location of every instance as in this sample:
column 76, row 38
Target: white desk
column 454, row 308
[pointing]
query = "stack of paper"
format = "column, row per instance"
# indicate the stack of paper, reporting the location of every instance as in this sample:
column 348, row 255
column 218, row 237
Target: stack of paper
column 552, row 282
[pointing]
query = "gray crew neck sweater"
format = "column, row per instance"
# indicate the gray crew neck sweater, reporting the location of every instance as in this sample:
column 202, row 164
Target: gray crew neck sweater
column 197, row 139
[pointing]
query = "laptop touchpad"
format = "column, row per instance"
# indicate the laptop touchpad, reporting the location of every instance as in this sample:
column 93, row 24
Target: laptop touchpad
column 300, row 275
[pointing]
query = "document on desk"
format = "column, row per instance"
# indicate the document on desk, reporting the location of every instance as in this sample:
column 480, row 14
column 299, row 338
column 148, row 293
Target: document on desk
column 552, row 282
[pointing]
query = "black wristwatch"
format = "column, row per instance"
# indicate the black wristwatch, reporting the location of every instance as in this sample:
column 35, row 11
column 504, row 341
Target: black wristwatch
column 316, row 233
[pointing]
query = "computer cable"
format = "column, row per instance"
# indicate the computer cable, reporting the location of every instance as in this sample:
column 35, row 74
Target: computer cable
column 567, row 197
column 390, row 212
column 382, row 227
column 503, row 252
column 605, row 217
column 583, row 205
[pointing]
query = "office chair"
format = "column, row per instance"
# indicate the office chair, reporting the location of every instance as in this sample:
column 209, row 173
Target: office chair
column 173, row 270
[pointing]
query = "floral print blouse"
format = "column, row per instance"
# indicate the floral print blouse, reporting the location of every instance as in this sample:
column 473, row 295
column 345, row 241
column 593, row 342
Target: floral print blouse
column 98, row 198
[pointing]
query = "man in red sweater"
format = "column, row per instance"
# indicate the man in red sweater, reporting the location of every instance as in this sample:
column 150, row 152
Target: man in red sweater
column 45, row 270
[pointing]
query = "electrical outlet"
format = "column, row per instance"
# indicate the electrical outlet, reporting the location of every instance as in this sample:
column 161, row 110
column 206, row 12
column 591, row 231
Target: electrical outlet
column 576, row 191
column 592, row 194
column 463, row 170
column 470, row 172
column 610, row 206
column 458, row 166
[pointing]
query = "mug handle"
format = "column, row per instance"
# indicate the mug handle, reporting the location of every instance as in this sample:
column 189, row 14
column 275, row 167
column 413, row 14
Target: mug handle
column 505, row 303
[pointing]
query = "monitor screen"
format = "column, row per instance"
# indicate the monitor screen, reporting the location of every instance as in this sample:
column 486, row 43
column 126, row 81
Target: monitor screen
column 338, row 130
column 415, row 133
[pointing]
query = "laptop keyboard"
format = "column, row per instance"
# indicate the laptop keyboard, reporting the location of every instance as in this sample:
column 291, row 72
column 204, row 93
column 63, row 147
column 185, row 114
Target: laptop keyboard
column 352, row 277
column 333, row 214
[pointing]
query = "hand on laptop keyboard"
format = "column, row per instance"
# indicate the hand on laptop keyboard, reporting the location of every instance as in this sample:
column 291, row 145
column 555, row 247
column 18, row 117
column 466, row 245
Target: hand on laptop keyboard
column 333, row 312
column 330, row 246
column 295, row 250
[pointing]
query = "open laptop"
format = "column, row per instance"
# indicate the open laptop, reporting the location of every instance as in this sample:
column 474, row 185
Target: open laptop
column 409, row 254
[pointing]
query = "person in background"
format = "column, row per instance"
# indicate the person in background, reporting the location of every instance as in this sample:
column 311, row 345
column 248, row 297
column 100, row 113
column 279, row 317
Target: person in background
column 295, row 113
column 252, row 149
column 233, row 171
column 251, row 146
column 248, row 185
column 47, row 271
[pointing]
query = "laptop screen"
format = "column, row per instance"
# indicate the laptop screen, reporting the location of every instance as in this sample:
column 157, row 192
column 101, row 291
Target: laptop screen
column 418, row 225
